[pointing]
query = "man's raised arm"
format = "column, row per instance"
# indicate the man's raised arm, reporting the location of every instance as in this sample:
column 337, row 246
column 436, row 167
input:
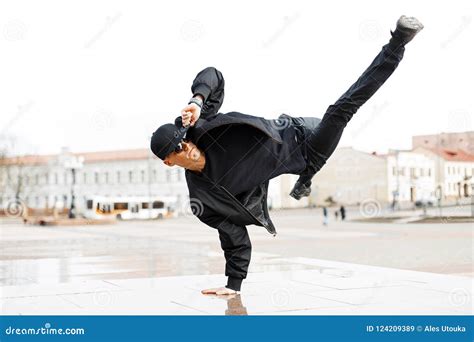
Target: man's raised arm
column 208, row 93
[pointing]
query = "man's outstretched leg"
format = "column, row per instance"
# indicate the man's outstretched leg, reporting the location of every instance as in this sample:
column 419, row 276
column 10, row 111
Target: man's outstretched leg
column 321, row 141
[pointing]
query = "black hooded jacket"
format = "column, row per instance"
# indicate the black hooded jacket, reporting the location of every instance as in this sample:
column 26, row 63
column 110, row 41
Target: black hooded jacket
column 230, row 212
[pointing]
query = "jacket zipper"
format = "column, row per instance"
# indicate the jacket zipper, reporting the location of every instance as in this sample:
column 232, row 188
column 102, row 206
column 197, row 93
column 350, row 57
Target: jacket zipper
column 248, row 211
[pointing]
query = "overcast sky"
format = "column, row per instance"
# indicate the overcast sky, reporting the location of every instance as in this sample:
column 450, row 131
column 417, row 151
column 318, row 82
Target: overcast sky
column 101, row 75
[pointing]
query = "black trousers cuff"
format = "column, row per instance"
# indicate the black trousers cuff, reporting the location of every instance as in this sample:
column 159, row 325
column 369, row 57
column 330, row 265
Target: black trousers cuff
column 234, row 283
column 397, row 40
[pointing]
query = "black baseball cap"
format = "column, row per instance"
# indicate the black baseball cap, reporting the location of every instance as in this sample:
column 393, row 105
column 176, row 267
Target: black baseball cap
column 166, row 138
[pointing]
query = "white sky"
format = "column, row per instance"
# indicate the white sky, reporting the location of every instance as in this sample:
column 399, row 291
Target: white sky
column 100, row 75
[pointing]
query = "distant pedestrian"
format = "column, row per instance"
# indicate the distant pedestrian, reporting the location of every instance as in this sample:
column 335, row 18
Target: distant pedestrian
column 325, row 214
column 336, row 215
column 343, row 213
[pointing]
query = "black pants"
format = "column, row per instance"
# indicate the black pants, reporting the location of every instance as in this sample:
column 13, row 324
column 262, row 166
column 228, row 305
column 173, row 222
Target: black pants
column 322, row 136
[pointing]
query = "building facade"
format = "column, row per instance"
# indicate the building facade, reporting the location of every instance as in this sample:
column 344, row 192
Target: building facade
column 45, row 181
column 352, row 177
column 349, row 177
column 454, row 171
column 411, row 177
column 424, row 173
column 446, row 141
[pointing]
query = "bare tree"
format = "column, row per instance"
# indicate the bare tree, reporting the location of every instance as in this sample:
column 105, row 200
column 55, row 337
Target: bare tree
column 17, row 172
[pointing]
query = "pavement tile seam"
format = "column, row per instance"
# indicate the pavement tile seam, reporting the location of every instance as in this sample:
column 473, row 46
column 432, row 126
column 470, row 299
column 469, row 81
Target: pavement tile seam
column 65, row 293
column 296, row 310
column 347, row 288
column 189, row 307
column 69, row 301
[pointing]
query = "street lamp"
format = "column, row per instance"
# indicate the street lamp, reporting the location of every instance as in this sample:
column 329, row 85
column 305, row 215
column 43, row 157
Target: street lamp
column 73, row 163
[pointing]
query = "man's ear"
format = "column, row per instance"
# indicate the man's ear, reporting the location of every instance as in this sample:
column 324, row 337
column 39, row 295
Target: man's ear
column 185, row 145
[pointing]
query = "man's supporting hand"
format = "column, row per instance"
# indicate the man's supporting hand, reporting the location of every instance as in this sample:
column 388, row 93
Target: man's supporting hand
column 219, row 291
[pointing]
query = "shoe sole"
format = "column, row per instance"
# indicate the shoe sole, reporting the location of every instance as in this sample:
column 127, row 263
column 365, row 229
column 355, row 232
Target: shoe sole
column 298, row 197
column 409, row 23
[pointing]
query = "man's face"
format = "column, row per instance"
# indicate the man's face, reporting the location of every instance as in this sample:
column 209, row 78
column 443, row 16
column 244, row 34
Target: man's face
column 187, row 157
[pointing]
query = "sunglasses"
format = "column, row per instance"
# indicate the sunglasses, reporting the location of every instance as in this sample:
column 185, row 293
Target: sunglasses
column 178, row 148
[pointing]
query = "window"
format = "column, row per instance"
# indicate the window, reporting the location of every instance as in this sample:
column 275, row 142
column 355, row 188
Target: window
column 120, row 206
column 118, row 176
column 429, row 172
column 106, row 175
column 104, row 207
column 142, row 172
column 36, row 179
column 130, row 176
column 394, row 171
column 96, row 177
column 422, row 172
column 56, row 178
column 158, row 205
column 84, row 178
column 154, row 175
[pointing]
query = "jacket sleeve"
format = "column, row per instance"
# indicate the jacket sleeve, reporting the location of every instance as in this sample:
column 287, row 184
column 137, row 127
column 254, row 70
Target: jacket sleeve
column 235, row 242
column 209, row 83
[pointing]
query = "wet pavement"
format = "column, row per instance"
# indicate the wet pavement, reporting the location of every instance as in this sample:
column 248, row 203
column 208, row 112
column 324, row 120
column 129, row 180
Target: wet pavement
column 160, row 267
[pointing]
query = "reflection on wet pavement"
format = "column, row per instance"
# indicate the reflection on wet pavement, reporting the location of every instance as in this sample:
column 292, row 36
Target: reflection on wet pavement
column 234, row 304
column 235, row 307
column 50, row 255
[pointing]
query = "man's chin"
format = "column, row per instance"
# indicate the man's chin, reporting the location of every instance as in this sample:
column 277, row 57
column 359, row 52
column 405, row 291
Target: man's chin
column 186, row 166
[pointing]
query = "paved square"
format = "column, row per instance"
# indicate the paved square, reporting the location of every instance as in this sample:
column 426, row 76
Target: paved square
column 159, row 268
